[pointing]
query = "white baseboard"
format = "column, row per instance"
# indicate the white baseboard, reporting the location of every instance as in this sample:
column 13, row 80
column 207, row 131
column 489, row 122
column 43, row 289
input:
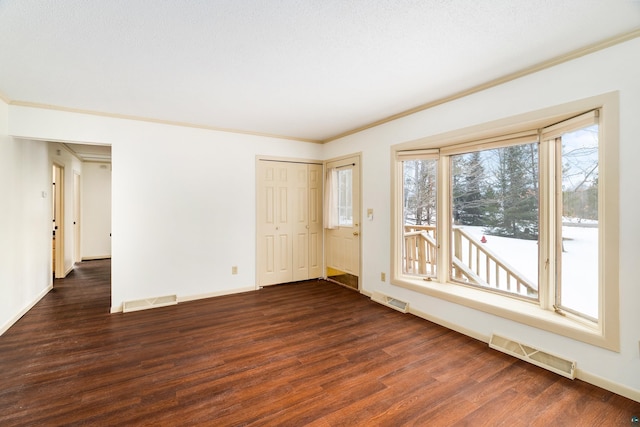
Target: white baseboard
column 449, row 325
column 22, row 312
column 215, row 294
column 119, row 308
column 66, row 272
column 606, row 384
column 587, row 377
column 366, row 293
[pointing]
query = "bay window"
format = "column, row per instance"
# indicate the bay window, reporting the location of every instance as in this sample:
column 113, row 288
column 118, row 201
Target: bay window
column 518, row 221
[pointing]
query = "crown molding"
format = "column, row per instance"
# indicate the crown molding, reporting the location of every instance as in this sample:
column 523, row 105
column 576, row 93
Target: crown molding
column 158, row 121
column 604, row 44
column 5, row 98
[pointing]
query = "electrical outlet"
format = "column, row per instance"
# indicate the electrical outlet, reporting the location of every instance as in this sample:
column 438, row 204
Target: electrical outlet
column 383, row 276
column 234, row 269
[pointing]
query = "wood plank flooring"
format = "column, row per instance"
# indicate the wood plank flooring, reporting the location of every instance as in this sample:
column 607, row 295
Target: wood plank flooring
column 310, row 353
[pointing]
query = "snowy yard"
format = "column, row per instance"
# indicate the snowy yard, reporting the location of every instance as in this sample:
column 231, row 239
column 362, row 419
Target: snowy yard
column 579, row 262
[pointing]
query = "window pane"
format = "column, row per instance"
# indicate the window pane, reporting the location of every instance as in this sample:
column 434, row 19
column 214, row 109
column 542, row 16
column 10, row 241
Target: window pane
column 577, row 289
column 494, row 238
column 345, row 201
column 419, row 214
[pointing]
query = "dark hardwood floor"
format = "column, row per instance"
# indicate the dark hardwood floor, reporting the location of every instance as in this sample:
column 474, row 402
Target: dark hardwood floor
column 310, row 353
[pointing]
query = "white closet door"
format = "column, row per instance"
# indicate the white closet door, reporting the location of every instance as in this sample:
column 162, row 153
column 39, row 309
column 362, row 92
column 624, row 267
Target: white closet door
column 300, row 220
column 289, row 222
column 274, row 223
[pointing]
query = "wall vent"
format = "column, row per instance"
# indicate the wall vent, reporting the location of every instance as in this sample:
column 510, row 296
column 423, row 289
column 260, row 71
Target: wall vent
column 396, row 304
column 554, row 363
column 143, row 304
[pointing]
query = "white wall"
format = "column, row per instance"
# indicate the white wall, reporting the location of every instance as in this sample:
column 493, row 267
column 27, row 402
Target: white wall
column 614, row 69
column 25, row 224
column 95, row 219
column 183, row 200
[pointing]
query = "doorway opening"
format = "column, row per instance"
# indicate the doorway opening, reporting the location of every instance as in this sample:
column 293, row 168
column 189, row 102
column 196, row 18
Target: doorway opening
column 342, row 221
column 81, row 204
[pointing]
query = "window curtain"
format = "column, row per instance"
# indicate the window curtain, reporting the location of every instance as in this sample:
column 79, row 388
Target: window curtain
column 331, row 220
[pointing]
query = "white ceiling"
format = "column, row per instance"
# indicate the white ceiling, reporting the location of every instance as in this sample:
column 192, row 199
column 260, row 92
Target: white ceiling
column 308, row 69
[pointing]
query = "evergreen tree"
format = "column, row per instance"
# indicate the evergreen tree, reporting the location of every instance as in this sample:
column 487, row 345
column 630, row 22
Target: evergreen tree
column 468, row 183
column 420, row 192
column 517, row 192
column 458, row 164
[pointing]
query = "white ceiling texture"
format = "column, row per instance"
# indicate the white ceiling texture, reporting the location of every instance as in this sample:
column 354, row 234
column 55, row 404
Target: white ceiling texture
column 302, row 69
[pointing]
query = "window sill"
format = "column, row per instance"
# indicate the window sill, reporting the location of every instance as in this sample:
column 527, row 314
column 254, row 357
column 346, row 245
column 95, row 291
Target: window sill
column 513, row 309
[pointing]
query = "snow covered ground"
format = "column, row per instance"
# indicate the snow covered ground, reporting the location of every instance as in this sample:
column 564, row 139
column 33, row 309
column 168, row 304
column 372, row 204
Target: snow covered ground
column 579, row 262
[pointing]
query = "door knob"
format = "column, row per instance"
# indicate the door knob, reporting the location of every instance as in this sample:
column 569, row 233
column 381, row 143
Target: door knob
column 355, row 233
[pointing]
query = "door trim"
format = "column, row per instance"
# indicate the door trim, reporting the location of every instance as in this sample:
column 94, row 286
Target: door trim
column 59, row 214
column 358, row 155
column 77, row 215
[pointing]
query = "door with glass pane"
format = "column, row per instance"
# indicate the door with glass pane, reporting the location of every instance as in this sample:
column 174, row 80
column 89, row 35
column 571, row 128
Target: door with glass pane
column 342, row 221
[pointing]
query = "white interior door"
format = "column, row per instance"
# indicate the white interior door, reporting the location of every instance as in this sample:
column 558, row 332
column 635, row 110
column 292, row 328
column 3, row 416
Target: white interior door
column 342, row 218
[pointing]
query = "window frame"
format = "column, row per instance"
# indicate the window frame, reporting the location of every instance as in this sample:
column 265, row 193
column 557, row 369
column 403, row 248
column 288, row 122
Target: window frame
column 345, row 210
column 603, row 333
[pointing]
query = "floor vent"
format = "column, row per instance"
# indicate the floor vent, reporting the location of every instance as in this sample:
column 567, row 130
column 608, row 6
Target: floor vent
column 394, row 303
column 554, row 363
column 143, row 304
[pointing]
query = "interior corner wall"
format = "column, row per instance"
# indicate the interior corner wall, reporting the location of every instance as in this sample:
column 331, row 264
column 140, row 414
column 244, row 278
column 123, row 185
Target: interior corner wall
column 613, row 69
column 95, row 218
column 183, row 200
column 25, row 223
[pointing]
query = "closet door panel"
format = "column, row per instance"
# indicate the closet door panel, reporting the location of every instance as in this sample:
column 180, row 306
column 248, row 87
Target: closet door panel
column 289, row 221
column 315, row 221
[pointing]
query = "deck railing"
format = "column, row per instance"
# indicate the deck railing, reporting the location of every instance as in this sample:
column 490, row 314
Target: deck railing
column 472, row 261
column 420, row 249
